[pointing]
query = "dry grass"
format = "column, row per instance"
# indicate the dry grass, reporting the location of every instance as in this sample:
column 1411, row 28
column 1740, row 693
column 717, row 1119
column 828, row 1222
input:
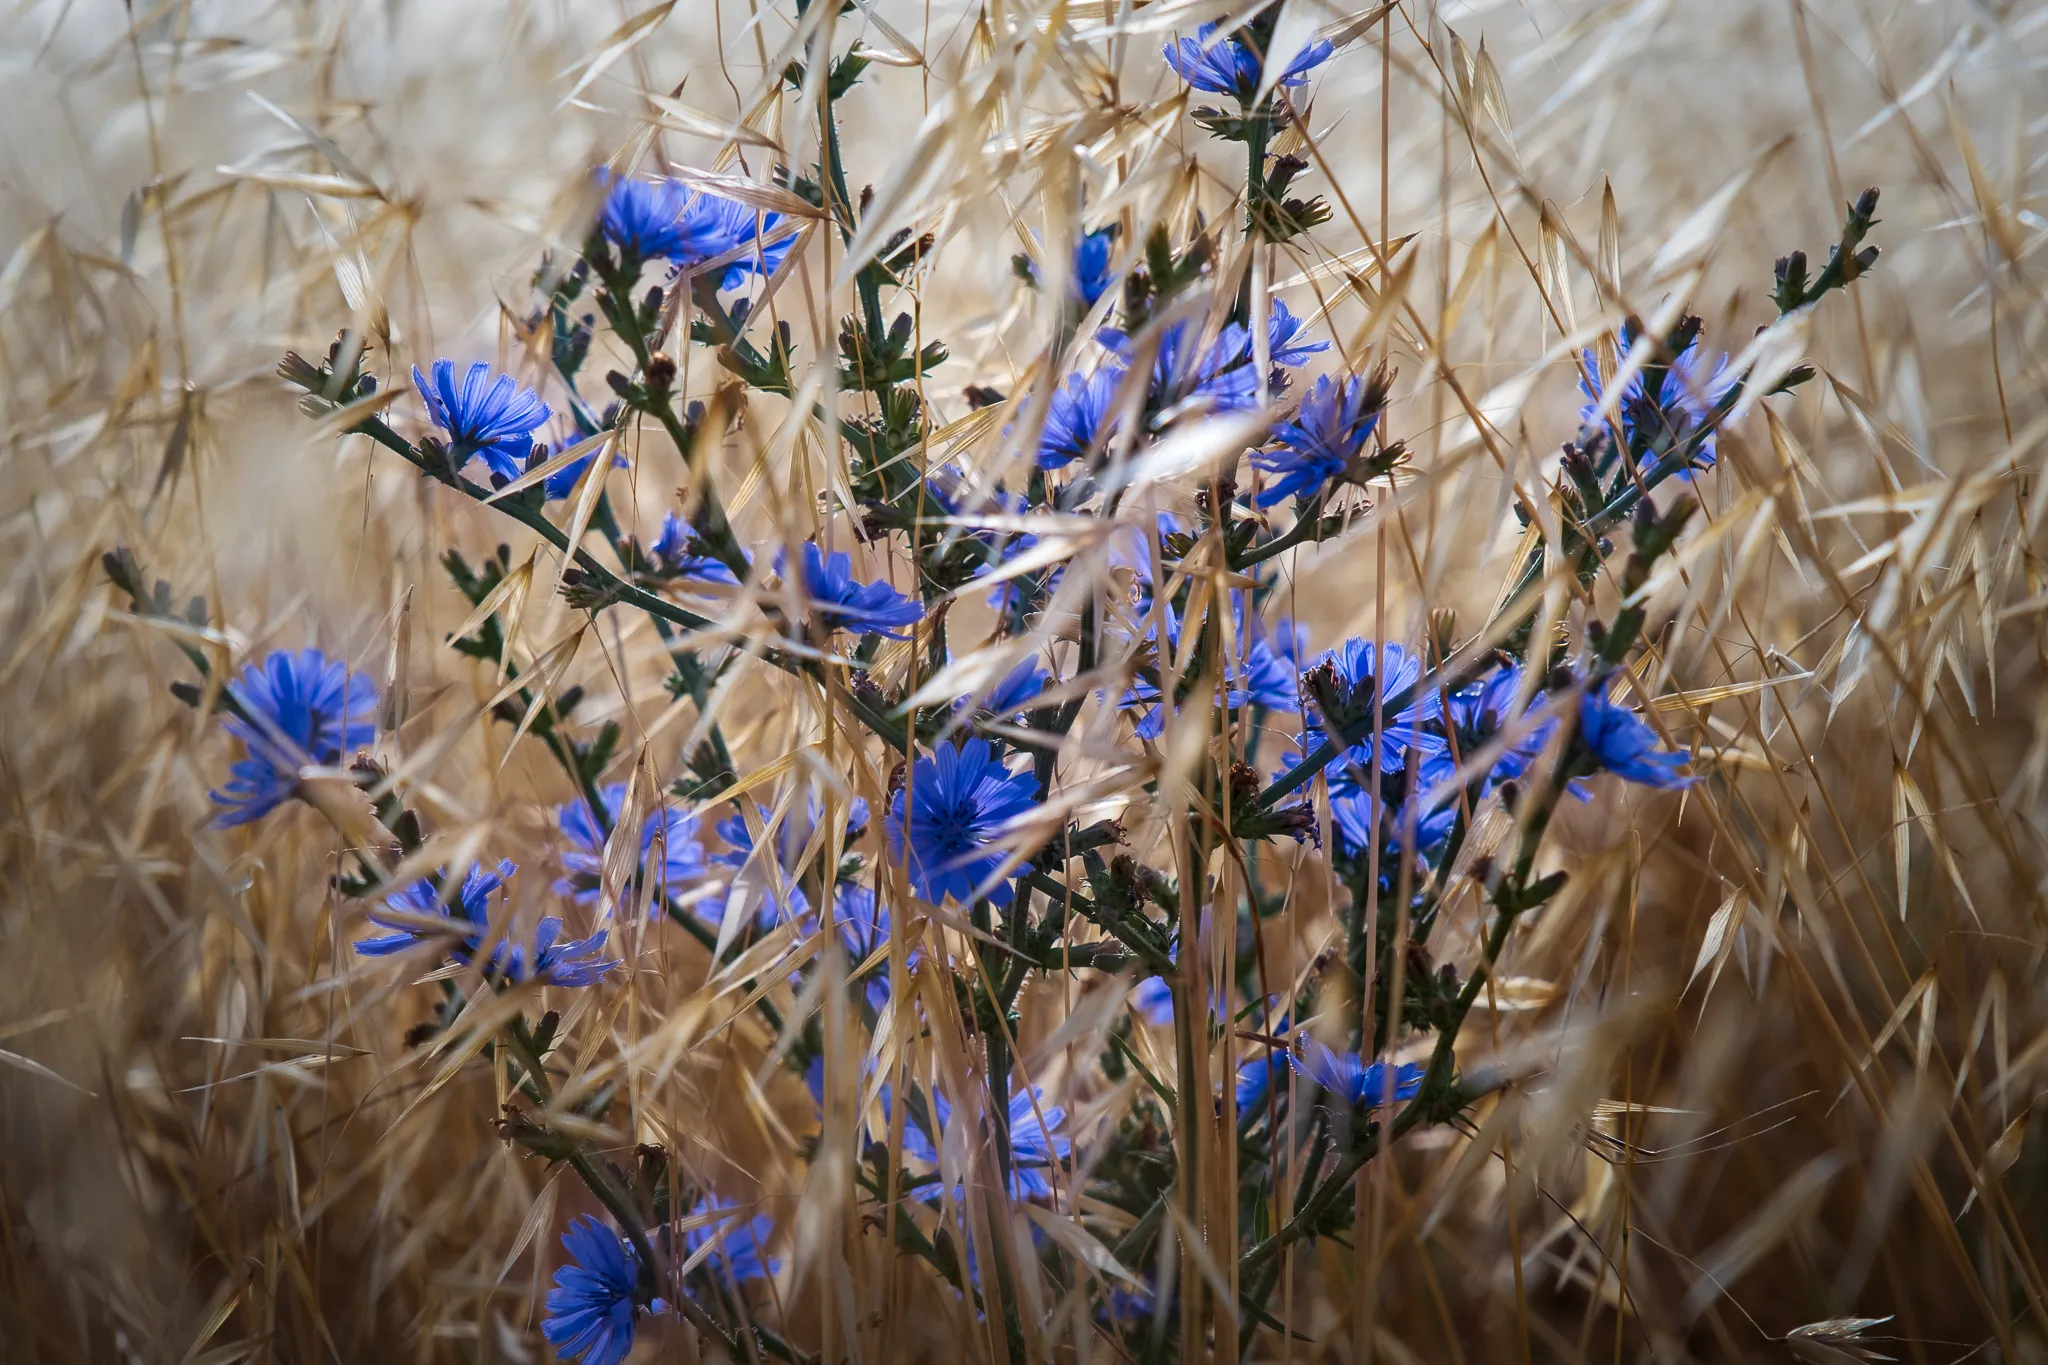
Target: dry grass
column 1822, row 965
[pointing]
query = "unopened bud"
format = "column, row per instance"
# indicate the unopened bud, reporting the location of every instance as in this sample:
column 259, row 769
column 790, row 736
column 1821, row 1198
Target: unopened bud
column 661, row 372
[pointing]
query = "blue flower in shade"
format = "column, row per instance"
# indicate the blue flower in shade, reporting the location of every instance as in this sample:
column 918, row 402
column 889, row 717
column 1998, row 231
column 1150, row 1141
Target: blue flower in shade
column 792, row 837
column 676, row 549
column 465, row 923
column 678, row 864
column 423, row 900
column 295, row 710
column 814, row 1079
column 1092, row 276
column 862, row 922
column 1132, row 1307
column 1077, row 421
column 960, row 800
column 1143, row 693
column 1285, row 342
column 1222, row 375
column 1153, row 996
column 1685, row 397
column 1255, row 1079
column 1625, row 746
column 1328, row 433
column 1353, row 1082
column 1017, row 594
column 713, row 226
column 1480, row 711
column 1153, row 1000
column 1271, row 677
column 918, row 1144
column 558, row 961
column 591, row 1308
column 863, row 925
column 562, row 482
column 1357, row 671
column 667, row 220
column 494, row 418
column 839, row 601
column 1420, row 822
column 1037, row 1144
column 1229, row 66
column 949, row 493
column 1130, row 548
column 1013, row 694
column 1361, row 669
column 1267, row 677
column 741, row 1251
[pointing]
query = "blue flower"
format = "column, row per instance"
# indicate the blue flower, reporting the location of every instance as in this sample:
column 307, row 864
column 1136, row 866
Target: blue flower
column 814, row 1079
column 949, row 493
column 1327, row 435
column 1267, row 676
column 1143, row 693
column 558, row 961
column 863, row 925
column 1355, row 672
column 862, row 921
column 676, row 550
column 1077, row 421
column 666, row 219
column 1421, row 822
column 1132, row 1306
column 1623, row 745
column 1153, row 999
column 1222, row 375
column 839, row 601
column 1013, row 694
column 919, row 1145
column 296, row 709
column 960, row 800
column 562, row 482
column 1255, row 1079
column 792, row 837
column 1271, row 679
column 1153, row 996
column 494, row 419
column 1685, row 397
column 1351, row 1081
column 1282, row 331
column 1230, row 66
column 1036, row 1143
column 741, row 1251
column 680, row 863
column 713, row 226
column 1130, row 548
column 1092, row 276
column 421, row 914
column 642, row 218
column 591, row 1307
column 1480, row 711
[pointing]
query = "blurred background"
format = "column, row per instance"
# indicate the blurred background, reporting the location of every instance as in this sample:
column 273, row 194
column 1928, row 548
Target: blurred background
column 1795, row 1020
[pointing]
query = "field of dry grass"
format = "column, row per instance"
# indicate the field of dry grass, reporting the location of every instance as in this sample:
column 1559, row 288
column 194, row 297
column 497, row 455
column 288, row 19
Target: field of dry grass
column 1767, row 1061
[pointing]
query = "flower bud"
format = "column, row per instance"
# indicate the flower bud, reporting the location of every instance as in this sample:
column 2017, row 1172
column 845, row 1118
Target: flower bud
column 661, row 372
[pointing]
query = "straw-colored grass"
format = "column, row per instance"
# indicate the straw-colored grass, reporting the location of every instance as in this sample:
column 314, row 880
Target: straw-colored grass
column 1769, row 1059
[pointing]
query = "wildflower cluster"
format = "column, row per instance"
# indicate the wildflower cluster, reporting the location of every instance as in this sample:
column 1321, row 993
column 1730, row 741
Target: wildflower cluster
column 974, row 621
